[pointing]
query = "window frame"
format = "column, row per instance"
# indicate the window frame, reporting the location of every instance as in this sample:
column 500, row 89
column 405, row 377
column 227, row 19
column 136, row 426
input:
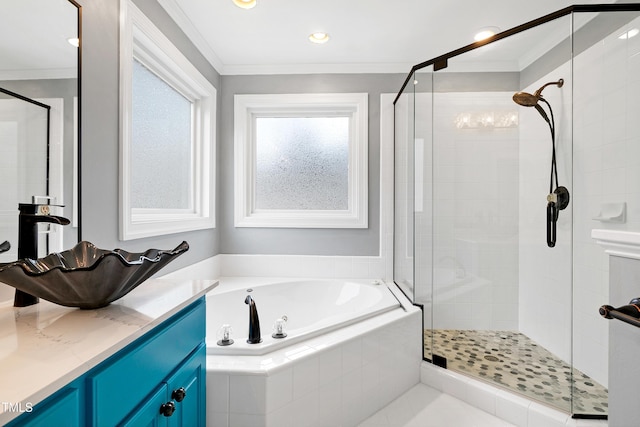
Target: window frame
column 141, row 40
column 248, row 107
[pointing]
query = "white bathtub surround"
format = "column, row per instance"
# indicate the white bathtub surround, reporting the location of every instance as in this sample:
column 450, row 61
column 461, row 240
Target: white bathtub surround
column 338, row 378
column 498, row 402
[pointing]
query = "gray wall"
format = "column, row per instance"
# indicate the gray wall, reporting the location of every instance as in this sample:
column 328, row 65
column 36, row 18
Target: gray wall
column 624, row 345
column 99, row 115
column 354, row 242
column 100, row 148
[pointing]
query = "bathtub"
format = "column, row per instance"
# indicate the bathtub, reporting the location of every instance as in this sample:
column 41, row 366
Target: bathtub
column 310, row 307
column 352, row 347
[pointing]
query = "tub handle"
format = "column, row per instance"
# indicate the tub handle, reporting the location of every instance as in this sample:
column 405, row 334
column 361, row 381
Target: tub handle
column 278, row 328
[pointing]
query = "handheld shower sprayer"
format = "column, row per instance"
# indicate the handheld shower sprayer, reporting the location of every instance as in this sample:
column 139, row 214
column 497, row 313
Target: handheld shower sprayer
column 528, row 100
column 558, row 198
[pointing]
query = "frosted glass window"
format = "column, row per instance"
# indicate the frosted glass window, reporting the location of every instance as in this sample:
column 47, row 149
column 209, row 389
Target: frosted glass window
column 167, row 134
column 300, row 160
column 161, row 150
column 302, row 163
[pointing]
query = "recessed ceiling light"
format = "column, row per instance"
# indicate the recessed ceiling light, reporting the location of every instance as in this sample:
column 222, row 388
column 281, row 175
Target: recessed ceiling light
column 245, row 4
column 485, row 33
column 631, row 33
column 74, row 41
column 319, row 37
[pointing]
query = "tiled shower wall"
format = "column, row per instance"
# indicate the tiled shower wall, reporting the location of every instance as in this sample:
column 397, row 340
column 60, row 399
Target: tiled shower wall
column 545, row 273
column 606, row 169
column 475, row 212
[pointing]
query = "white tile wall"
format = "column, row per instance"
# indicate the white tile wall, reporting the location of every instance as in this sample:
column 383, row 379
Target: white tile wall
column 546, row 273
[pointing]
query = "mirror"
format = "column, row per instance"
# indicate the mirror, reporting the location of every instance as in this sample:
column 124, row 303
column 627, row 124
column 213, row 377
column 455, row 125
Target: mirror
column 39, row 119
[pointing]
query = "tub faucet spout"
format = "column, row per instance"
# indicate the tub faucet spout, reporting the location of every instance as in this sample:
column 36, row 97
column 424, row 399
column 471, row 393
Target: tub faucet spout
column 254, row 322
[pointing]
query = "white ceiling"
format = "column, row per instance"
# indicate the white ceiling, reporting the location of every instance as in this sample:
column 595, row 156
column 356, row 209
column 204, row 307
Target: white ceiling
column 366, row 35
column 33, row 39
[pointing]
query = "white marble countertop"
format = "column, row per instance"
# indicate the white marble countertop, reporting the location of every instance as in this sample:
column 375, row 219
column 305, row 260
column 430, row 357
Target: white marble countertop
column 45, row 346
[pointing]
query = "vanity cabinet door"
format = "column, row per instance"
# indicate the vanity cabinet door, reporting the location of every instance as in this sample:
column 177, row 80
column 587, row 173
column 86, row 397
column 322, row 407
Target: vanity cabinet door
column 179, row 401
column 187, row 388
column 152, row 413
column 61, row 409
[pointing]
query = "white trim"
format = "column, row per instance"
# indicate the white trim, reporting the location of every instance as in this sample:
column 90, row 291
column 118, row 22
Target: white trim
column 185, row 24
column 40, row 74
column 387, row 182
column 74, row 203
column 247, row 107
column 619, row 243
column 139, row 38
column 277, row 69
column 56, row 168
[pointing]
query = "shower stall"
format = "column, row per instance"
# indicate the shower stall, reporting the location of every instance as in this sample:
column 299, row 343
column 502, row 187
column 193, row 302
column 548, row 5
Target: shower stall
column 495, row 199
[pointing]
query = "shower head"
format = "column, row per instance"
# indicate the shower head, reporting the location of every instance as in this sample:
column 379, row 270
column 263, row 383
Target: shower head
column 528, row 100
column 525, row 99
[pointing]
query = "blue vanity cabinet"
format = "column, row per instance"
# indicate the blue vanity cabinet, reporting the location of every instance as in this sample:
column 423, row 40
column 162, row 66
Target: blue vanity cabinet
column 123, row 384
column 63, row 408
column 178, row 402
column 158, row 380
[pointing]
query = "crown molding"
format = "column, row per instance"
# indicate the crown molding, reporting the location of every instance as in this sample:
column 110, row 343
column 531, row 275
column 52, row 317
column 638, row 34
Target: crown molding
column 177, row 14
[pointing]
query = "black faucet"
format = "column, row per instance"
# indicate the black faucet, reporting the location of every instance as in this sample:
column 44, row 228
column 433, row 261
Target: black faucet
column 30, row 215
column 254, row 322
column 5, row 246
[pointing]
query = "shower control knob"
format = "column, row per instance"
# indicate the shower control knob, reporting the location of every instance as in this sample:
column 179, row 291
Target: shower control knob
column 562, row 197
column 167, row 409
column 179, row 394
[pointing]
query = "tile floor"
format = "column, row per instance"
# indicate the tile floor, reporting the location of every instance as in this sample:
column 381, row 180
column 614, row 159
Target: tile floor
column 423, row 406
column 513, row 361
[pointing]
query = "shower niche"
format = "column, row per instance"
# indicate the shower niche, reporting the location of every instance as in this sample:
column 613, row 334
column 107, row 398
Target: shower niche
column 505, row 152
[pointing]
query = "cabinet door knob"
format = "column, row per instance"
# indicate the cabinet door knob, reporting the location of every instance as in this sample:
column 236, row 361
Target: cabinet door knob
column 179, row 394
column 167, row 409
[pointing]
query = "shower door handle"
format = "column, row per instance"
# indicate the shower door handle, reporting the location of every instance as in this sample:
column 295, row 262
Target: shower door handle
column 552, row 219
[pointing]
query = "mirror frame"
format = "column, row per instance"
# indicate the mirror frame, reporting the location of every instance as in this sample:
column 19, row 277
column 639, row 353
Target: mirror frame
column 78, row 159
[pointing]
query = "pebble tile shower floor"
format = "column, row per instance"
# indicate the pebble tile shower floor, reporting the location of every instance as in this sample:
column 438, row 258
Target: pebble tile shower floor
column 513, row 361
